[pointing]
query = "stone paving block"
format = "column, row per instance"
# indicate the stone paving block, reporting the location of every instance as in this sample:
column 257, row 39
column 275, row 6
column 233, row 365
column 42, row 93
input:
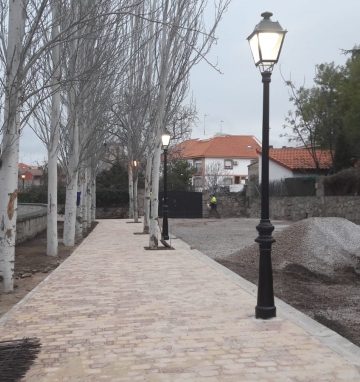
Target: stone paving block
column 116, row 312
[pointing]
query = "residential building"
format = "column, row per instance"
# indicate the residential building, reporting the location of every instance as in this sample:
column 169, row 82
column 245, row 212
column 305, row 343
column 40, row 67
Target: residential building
column 292, row 162
column 219, row 158
column 29, row 175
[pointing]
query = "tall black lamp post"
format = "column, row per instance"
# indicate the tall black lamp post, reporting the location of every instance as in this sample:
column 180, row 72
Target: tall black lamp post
column 165, row 138
column 265, row 42
column 23, row 181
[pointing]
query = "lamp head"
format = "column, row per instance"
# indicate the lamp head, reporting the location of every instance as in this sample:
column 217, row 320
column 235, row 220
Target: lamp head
column 165, row 138
column 266, row 42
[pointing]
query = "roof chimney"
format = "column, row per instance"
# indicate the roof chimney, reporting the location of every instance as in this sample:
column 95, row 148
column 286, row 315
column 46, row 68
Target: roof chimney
column 284, row 147
column 271, row 146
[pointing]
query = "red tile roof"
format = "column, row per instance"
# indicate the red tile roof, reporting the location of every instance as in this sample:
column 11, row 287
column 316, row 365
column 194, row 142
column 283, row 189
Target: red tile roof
column 23, row 165
column 296, row 159
column 231, row 146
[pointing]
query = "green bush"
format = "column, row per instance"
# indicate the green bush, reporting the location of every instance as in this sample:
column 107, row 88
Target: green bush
column 346, row 182
column 111, row 197
column 38, row 194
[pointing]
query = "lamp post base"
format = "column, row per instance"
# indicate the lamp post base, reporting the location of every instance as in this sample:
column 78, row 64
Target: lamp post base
column 265, row 312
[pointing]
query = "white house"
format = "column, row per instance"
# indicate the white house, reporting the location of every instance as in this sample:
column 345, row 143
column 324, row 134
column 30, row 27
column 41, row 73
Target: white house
column 220, row 158
column 292, row 162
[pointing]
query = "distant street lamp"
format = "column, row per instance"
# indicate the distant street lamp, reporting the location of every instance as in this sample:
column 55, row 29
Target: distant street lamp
column 23, row 179
column 165, row 138
column 265, row 42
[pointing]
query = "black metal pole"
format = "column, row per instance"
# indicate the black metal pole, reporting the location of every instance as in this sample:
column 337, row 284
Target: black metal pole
column 23, row 184
column 265, row 307
column 165, row 231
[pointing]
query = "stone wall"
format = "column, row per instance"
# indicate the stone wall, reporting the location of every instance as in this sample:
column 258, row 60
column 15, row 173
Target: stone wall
column 288, row 208
column 31, row 219
column 229, row 206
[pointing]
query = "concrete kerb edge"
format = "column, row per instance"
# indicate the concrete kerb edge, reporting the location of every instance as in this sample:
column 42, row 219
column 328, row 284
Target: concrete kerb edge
column 326, row 336
column 8, row 314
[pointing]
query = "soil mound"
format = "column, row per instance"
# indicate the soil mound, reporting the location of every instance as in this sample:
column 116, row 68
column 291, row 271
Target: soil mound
column 321, row 245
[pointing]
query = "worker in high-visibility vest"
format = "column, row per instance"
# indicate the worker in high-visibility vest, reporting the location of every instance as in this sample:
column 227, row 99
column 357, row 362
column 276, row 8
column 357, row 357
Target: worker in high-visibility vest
column 213, row 206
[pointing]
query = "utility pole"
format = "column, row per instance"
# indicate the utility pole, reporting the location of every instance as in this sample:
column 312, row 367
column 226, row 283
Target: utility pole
column 205, row 115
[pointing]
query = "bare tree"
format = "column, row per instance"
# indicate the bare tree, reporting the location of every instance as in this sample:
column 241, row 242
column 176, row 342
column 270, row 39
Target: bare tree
column 214, row 176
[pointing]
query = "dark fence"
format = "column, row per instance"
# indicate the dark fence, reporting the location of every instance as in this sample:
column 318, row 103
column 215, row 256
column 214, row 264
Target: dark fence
column 182, row 204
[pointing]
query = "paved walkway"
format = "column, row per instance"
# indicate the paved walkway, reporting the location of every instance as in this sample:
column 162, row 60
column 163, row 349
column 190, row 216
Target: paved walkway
column 114, row 311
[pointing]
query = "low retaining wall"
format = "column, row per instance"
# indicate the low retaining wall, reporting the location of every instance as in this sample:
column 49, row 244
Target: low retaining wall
column 31, row 219
column 288, row 208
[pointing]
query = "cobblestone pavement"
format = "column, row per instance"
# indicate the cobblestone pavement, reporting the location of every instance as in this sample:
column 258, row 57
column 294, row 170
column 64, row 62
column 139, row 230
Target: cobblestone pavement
column 117, row 312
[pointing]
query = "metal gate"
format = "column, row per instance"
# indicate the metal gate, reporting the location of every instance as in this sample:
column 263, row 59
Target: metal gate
column 182, row 204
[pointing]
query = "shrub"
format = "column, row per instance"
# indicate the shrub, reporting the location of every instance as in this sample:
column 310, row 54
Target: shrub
column 346, row 182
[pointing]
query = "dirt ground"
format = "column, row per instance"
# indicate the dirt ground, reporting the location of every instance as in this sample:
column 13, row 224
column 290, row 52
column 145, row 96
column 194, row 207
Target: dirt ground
column 32, row 266
column 332, row 301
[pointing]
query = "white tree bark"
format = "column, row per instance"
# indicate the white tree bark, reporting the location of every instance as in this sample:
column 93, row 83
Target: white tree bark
column 93, row 197
column 10, row 145
column 52, row 207
column 89, row 197
column 79, row 217
column 71, row 188
column 136, row 208
column 155, row 233
column 84, row 201
column 131, row 192
column 147, row 196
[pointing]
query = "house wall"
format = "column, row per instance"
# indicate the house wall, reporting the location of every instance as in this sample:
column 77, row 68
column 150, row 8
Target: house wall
column 241, row 169
column 277, row 172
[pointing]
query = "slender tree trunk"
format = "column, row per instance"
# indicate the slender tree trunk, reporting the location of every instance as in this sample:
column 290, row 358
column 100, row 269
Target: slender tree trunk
column 154, row 223
column 84, row 201
column 93, row 198
column 147, row 196
column 52, row 207
column 131, row 193
column 88, row 195
column 71, row 189
column 10, row 145
column 136, row 209
column 79, row 217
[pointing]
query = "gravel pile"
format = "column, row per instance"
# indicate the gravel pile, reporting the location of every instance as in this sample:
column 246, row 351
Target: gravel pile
column 322, row 245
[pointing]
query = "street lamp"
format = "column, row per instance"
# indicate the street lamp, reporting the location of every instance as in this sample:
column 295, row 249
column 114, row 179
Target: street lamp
column 165, row 138
column 23, row 179
column 265, row 43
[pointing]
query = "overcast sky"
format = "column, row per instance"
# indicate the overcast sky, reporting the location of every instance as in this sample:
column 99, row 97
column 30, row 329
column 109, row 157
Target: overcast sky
column 317, row 31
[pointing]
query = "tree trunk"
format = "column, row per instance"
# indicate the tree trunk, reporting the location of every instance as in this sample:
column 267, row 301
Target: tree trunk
column 79, row 217
column 52, row 236
column 136, row 210
column 131, row 193
column 147, row 196
column 84, row 201
column 89, row 198
column 93, row 198
column 10, row 145
column 71, row 189
column 155, row 233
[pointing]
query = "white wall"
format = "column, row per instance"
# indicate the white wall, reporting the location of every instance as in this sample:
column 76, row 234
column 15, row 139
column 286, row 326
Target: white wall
column 239, row 169
column 276, row 172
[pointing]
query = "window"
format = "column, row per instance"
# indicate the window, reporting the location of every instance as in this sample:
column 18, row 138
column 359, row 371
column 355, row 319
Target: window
column 237, row 179
column 198, row 166
column 228, row 164
column 197, row 181
column 227, row 181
